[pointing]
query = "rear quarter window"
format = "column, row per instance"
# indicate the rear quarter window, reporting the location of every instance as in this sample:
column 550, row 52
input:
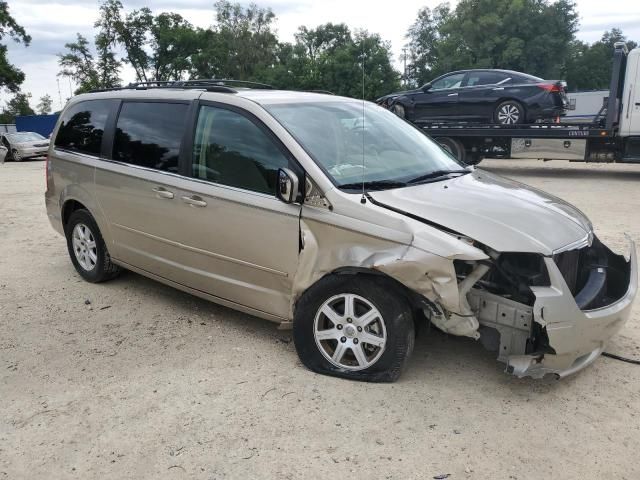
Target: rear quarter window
column 82, row 126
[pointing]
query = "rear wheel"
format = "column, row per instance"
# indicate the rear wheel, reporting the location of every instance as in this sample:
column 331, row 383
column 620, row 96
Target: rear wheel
column 354, row 326
column 87, row 249
column 454, row 147
column 509, row 112
column 15, row 155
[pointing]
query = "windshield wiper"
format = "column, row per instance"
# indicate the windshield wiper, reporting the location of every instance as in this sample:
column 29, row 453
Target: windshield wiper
column 436, row 174
column 373, row 185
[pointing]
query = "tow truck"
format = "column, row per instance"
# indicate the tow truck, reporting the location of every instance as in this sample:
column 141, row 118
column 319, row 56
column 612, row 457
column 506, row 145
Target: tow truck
column 612, row 136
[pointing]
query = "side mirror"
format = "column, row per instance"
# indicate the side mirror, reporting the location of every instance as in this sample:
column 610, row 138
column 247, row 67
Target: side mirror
column 426, row 87
column 287, row 187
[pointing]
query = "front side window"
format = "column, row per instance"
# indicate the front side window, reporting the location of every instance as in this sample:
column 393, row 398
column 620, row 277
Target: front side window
column 149, row 134
column 232, row 150
column 450, row 81
column 82, row 126
column 392, row 150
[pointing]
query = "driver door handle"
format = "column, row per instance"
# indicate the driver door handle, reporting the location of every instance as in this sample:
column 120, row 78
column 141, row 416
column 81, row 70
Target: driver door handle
column 194, row 201
column 452, row 95
column 162, row 192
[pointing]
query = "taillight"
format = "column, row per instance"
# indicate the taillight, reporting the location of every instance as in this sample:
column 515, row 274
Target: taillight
column 550, row 87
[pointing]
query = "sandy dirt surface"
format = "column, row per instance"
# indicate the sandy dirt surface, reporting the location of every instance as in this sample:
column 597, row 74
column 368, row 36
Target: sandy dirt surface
column 149, row 382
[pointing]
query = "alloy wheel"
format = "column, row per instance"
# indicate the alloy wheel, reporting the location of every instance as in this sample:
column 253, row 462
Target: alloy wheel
column 84, row 247
column 508, row 114
column 350, row 332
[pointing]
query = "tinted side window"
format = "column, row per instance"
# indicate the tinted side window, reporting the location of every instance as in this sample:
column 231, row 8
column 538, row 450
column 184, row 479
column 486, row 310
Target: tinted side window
column 450, row 81
column 82, row 126
column 485, row 78
column 230, row 149
column 149, row 134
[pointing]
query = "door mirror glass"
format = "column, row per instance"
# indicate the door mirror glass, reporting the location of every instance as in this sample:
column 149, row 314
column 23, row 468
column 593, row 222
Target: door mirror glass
column 426, row 87
column 287, row 189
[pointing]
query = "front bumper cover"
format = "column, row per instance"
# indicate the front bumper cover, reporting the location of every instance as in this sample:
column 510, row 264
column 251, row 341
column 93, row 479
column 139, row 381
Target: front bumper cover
column 575, row 336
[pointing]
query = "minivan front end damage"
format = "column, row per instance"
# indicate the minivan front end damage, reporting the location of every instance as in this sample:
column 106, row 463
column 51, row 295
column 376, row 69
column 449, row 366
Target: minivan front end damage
column 542, row 314
column 575, row 310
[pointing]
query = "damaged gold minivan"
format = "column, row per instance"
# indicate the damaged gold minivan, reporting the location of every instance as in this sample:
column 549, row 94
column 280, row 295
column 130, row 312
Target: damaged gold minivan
column 334, row 217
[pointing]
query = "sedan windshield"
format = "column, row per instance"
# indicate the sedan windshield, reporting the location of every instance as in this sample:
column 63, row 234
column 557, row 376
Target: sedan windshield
column 373, row 145
column 25, row 137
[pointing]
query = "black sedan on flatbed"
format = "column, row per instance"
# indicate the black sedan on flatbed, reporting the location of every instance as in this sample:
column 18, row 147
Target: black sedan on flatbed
column 491, row 96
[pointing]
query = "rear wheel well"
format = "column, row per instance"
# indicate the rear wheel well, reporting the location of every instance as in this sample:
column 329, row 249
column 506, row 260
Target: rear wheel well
column 69, row 207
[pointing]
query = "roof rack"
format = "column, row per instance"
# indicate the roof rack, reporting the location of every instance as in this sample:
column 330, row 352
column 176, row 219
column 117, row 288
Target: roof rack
column 210, row 84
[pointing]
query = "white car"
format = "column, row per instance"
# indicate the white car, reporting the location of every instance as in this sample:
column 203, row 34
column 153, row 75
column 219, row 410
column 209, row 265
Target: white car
column 24, row 145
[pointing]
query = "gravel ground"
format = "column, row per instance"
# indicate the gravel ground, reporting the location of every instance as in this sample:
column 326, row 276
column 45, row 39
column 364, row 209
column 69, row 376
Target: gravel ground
column 148, row 382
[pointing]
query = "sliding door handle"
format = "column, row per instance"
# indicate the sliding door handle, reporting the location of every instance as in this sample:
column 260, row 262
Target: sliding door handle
column 194, row 201
column 162, row 192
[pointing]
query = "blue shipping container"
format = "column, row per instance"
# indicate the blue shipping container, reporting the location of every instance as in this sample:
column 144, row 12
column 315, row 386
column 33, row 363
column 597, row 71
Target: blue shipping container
column 42, row 124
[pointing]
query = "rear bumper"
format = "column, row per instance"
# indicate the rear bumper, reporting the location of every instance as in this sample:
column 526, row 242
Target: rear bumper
column 577, row 337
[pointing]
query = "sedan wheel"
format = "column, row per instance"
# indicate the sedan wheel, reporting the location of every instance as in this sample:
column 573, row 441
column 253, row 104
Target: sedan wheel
column 509, row 113
column 15, row 154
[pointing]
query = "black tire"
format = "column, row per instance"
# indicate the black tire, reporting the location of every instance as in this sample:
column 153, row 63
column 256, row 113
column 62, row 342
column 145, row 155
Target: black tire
column 15, row 156
column 393, row 308
column 399, row 110
column 454, row 147
column 509, row 112
column 103, row 269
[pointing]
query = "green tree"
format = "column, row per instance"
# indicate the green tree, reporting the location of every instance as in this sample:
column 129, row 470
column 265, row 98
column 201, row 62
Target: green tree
column 45, row 104
column 16, row 105
column 589, row 66
column 78, row 64
column 532, row 36
column 132, row 34
column 242, row 44
column 173, row 42
column 106, row 64
column 10, row 76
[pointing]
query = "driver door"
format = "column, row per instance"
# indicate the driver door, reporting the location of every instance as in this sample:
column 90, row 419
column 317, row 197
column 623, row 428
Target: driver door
column 241, row 242
column 440, row 102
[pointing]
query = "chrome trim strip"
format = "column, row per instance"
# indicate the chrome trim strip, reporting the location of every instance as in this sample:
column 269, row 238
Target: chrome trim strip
column 586, row 241
column 201, row 251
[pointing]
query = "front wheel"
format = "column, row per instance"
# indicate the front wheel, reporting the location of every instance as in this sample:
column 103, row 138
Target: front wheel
column 354, row 326
column 509, row 113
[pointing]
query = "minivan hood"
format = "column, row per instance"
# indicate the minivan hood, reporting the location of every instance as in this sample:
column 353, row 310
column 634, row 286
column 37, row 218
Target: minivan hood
column 505, row 215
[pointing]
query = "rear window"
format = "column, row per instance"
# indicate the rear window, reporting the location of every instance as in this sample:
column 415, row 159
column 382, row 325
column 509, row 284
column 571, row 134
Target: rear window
column 149, row 134
column 524, row 79
column 82, row 126
column 485, row 78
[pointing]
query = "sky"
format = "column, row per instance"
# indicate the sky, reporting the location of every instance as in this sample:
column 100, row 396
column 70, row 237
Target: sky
column 53, row 23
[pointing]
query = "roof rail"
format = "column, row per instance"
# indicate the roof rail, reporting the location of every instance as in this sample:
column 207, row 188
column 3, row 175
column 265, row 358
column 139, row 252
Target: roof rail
column 210, row 84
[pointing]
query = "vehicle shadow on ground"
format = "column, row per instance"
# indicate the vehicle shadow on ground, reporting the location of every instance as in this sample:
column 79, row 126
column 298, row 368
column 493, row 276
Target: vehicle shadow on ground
column 599, row 172
column 438, row 358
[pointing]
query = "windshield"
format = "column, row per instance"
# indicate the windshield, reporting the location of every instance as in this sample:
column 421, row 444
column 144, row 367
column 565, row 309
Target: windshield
column 332, row 133
column 25, row 137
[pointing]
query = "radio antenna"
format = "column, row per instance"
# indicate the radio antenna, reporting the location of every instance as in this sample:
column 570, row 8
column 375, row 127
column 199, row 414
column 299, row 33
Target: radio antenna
column 363, row 199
